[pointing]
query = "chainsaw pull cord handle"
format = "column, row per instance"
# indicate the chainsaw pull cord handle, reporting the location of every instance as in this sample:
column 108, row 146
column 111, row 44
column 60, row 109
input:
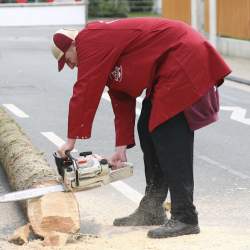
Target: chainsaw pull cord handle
column 75, row 165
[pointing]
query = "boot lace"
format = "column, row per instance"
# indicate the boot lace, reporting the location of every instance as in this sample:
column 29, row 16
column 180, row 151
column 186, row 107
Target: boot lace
column 170, row 223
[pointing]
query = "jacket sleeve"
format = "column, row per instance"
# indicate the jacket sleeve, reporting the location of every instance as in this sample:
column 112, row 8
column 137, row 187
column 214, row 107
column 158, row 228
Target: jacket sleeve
column 94, row 65
column 124, row 111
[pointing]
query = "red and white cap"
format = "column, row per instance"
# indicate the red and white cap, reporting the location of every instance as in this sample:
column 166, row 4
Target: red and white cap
column 62, row 40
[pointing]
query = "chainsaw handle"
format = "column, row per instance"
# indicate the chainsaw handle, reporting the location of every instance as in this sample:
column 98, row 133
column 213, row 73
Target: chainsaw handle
column 62, row 163
column 68, row 154
column 75, row 165
column 86, row 153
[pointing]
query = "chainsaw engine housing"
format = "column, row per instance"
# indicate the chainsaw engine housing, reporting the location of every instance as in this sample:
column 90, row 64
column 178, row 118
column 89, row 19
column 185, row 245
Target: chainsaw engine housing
column 89, row 171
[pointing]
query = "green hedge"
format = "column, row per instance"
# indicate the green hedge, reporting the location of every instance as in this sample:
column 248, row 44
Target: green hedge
column 108, row 8
column 141, row 5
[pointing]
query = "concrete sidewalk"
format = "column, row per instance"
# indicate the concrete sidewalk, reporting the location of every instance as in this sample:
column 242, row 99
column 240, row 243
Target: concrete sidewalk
column 240, row 66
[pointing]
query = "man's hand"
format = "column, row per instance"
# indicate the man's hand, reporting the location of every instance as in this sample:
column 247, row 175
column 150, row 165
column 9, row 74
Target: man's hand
column 117, row 159
column 68, row 146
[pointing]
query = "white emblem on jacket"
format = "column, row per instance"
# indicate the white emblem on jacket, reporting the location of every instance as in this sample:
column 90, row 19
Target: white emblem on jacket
column 116, row 74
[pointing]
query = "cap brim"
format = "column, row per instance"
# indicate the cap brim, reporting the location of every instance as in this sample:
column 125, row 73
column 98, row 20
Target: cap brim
column 61, row 63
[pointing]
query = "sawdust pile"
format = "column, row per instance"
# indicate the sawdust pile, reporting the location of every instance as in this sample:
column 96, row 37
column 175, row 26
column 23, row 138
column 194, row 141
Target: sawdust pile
column 210, row 238
column 23, row 164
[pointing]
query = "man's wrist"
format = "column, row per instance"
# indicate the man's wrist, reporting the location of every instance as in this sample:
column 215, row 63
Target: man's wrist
column 71, row 141
column 121, row 148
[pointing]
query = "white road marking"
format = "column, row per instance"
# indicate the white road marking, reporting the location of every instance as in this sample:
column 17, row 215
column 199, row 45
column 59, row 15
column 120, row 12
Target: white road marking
column 105, row 96
column 127, row 191
column 238, row 114
column 139, row 99
column 15, row 110
column 51, row 136
column 219, row 165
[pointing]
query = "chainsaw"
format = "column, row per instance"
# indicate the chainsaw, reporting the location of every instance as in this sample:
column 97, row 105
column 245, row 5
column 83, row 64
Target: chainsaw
column 77, row 174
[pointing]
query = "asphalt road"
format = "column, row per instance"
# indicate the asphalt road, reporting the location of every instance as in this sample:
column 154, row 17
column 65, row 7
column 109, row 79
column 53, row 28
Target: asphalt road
column 29, row 80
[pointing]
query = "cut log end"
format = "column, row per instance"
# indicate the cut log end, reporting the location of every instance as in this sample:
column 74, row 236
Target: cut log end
column 55, row 239
column 54, row 213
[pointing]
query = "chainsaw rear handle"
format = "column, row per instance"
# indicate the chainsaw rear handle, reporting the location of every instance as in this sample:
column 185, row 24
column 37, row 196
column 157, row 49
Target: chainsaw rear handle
column 74, row 164
column 67, row 153
column 62, row 163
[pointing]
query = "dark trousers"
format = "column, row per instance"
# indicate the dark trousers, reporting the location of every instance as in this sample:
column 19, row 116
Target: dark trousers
column 168, row 159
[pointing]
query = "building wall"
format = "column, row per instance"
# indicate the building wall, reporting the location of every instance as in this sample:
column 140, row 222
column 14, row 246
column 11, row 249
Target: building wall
column 233, row 16
column 177, row 9
column 33, row 14
column 233, row 22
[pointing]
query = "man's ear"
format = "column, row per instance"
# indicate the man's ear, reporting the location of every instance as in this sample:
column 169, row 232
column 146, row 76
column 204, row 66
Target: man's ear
column 72, row 46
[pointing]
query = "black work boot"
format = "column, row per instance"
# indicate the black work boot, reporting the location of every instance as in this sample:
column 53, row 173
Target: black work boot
column 173, row 228
column 142, row 217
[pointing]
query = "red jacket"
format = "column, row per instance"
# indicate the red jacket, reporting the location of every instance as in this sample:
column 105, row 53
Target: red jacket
column 174, row 63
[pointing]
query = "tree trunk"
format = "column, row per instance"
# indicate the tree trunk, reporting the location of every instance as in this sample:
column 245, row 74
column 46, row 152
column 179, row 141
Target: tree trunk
column 26, row 167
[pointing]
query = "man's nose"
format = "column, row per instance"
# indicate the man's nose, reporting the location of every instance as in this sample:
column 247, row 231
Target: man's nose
column 70, row 64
